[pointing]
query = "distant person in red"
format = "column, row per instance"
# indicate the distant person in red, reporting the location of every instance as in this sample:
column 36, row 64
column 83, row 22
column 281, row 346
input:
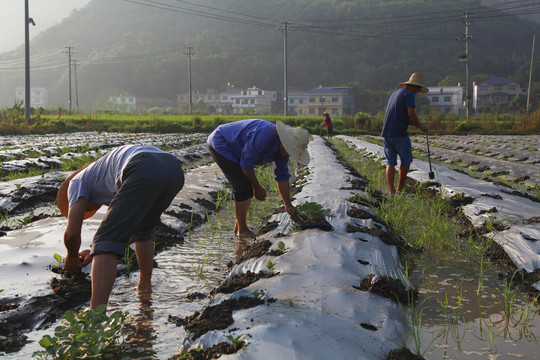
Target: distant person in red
column 328, row 123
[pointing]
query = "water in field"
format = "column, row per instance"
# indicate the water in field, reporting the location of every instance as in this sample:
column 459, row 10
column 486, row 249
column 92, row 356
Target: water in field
column 197, row 265
column 465, row 319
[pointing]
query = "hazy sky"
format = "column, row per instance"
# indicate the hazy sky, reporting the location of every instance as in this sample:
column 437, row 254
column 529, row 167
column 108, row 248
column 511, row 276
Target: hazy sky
column 44, row 12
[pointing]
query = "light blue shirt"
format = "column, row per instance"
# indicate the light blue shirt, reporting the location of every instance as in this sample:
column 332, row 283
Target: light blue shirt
column 249, row 143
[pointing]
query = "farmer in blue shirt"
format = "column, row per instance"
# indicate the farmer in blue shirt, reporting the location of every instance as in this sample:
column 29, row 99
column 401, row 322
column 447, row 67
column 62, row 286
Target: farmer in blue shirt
column 399, row 114
column 239, row 146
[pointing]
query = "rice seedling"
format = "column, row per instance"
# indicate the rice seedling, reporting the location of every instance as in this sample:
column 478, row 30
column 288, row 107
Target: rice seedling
column 413, row 316
column 127, row 259
column 427, row 222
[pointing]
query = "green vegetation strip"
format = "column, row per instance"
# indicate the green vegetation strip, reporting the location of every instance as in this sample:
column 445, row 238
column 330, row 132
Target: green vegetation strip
column 432, row 225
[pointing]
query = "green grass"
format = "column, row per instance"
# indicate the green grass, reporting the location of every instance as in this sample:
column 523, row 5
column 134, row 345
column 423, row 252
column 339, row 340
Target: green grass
column 428, row 223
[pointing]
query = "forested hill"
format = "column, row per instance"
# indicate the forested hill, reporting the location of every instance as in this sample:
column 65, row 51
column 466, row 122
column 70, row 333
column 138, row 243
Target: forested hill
column 139, row 47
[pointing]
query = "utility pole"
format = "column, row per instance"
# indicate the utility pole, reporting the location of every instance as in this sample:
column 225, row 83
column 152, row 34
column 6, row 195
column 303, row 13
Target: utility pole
column 530, row 78
column 76, row 87
column 27, row 21
column 465, row 58
column 285, row 27
column 69, row 67
column 189, row 54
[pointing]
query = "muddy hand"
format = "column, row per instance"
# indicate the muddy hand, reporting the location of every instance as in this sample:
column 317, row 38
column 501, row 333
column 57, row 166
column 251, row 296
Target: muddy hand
column 85, row 258
column 72, row 264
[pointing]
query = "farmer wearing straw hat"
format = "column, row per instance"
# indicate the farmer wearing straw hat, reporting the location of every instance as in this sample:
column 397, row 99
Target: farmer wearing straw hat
column 399, row 114
column 137, row 183
column 239, row 146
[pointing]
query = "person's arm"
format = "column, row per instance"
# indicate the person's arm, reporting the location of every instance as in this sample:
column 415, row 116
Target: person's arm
column 72, row 235
column 413, row 119
column 285, row 192
column 260, row 192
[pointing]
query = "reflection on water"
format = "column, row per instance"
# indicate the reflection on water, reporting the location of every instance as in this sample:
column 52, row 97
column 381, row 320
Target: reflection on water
column 462, row 320
column 197, row 265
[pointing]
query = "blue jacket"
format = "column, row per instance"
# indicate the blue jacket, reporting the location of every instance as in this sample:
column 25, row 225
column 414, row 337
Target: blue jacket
column 250, row 142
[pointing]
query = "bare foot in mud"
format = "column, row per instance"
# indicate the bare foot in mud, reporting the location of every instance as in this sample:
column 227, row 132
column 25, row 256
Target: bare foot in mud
column 246, row 235
column 144, row 288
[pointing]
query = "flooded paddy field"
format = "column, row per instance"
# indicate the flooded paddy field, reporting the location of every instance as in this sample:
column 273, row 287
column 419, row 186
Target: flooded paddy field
column 310, row 304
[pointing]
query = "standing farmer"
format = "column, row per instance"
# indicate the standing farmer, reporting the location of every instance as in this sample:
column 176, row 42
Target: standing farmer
column 399, row 114
column 328, row 123
column 239, row 146
column 137, row 183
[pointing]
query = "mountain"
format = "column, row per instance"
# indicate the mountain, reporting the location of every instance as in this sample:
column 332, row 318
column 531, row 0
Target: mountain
column 139, row 47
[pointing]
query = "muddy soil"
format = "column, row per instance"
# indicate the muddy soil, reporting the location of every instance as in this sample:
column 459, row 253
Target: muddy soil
column 388, row 287
column 33, row 199
column 68, row 292
column 213, row 352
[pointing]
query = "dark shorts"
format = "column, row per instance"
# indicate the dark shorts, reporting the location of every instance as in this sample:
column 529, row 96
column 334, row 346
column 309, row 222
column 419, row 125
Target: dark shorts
column 398, row 145
column 241, row 187
column 149, row 184
column 330, row 131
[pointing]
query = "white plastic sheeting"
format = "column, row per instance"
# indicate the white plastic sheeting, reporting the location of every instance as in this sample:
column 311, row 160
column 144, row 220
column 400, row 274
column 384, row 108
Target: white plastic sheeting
column 317, row 313
column 491, row 203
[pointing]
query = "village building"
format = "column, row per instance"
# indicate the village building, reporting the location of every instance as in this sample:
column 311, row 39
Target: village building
column 123, row 103
column 495, row 92
column 39, row 96
column 336, row 101
column 253, row 101
column 448, row 99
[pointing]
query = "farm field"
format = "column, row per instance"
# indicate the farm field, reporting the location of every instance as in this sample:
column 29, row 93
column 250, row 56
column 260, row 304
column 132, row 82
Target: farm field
column 312, row 304
column 510, row 159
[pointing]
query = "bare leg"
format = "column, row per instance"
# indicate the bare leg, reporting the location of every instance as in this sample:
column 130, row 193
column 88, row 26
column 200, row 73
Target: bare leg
column 390, row 176
column 103, row 276
column 403, row 170
column 241, row 209
column 145, row 258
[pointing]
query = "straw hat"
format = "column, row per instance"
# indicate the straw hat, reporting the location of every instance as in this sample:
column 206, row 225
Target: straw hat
column 416, row 79
column 63, row 202
column 295, row 141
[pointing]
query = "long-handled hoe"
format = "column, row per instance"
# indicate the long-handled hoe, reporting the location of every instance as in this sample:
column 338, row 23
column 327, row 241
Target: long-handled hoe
column 431, row 174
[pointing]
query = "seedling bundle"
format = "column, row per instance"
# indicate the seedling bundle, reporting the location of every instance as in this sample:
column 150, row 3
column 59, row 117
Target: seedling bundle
column 309, row 215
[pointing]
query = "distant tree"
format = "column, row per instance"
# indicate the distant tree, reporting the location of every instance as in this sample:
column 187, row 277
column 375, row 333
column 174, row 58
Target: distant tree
column 518, row 103
column 452, row 80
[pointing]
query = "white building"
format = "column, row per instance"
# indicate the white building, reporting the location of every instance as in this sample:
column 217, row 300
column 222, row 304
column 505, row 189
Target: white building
column 294, row 99
column 123, row 103
column 446, row 98
column 39, row 97
column 253, row 100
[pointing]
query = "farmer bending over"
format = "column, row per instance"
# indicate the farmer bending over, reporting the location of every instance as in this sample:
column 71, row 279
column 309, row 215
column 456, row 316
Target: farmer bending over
column 137, row 183
column 399, row 113
column 239, row 146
